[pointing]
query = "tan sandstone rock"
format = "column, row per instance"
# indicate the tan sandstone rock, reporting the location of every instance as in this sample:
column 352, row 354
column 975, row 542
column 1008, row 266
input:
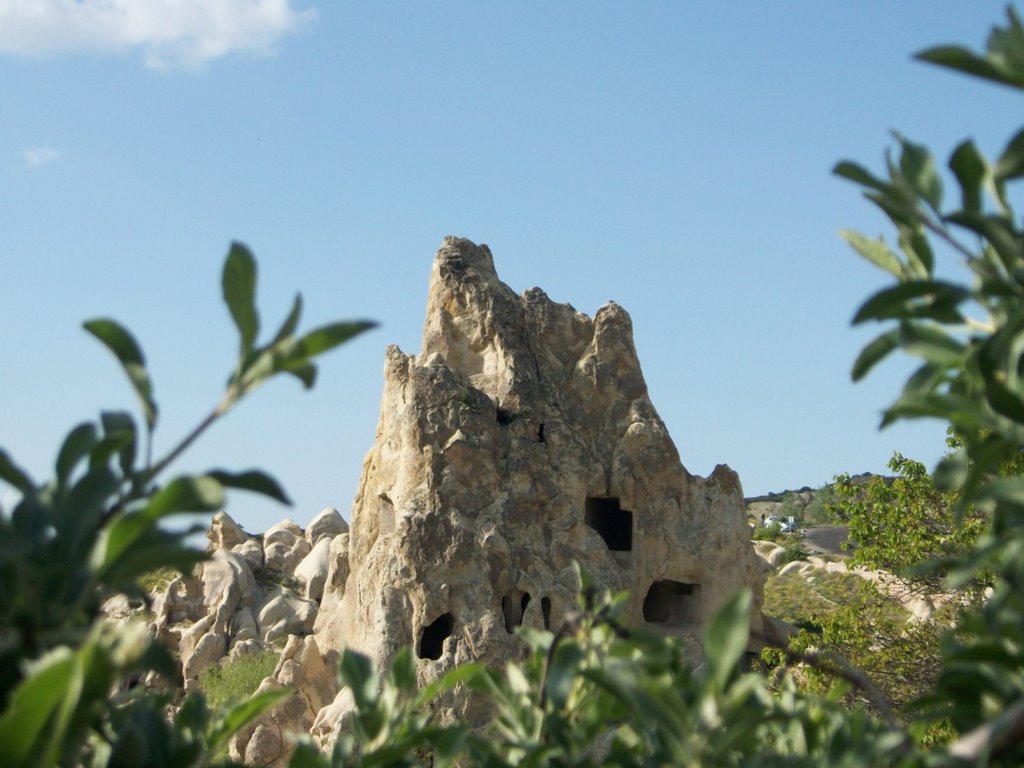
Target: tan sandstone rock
column 522, row 439
column 224, row 532
column 327, row 523
column 269, row 740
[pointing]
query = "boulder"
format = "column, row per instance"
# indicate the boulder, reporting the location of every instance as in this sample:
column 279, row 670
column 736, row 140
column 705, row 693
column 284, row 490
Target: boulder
column 284, row 546
column 770, row 552
column 285, row 613
column 327, row 523
column 312, row 571
column 224, row 532
column 269, row 740
column 250, row 550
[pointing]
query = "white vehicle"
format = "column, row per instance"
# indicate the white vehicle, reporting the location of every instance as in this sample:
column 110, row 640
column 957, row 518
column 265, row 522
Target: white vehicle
column 786, row 524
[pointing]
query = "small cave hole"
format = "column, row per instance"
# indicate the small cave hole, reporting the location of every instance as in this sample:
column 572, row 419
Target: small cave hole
column 673, row 603
column 545, row 608
column 614, row 524
column 433, row 636
column 540, row 434
column 513, row 607
column 505, row 417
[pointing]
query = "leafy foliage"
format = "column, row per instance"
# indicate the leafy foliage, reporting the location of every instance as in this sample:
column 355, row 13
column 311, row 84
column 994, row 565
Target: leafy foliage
column 968, row 337
column 96, row 529
column 596, row 694
column 897, row 524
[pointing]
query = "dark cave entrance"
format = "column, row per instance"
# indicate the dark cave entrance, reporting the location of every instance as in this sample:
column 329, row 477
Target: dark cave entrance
column 614, row 524
column 433, row 636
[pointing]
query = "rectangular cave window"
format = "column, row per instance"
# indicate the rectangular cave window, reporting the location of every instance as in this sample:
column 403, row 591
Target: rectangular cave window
column 614, row 524
column 673, row 603
column 432, row 637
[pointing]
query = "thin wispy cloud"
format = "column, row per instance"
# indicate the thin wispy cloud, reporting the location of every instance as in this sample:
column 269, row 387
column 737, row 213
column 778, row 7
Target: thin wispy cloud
column 169, row 34
column 38, row 156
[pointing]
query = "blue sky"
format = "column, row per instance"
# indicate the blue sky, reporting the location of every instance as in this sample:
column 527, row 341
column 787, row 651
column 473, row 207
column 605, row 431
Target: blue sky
column 674, row 157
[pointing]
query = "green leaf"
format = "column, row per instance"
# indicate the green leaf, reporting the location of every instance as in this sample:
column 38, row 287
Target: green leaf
column 327, row 337
column 873, row 354
column 291, row 322
column 244, row 713
column 933, row 299
column 727, row 637
column 120, row 436
column 563, row 672
column 23, row 726
column 971, row 169
column 252, row 480
column 238, row 284
column 1011, row 163
column 918, row 168
column 130, row 547
column 1005, row 490
column 304, row 372
column 875, row 251
column 962, row 60
column 133, row 534
column 76, row 446
column 999, row 232
column 14, row 475
column 186, row 494
column 79, row 517
column 356, row 671
column 403, row 670
column 1004, row 56
column 463, row 674
column 119, row 341
column 931, row 343
column 860, row 175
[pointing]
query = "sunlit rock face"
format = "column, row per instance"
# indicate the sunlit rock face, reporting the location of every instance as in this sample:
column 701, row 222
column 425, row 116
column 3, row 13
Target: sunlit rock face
column 522, row 439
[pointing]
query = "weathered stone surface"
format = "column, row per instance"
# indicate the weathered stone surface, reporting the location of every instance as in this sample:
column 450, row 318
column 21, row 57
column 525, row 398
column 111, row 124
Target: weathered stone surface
column 312, row 571
column 251, row 551
column 519, row 440
column 268, row 741
column 285, row 613
column 284, row 546
column 329, row 619
column 327, row 523
column 224, row 532
column 769, row 552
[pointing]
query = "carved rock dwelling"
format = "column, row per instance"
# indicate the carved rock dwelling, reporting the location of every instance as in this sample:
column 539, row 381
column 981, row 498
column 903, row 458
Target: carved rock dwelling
column 519, row 440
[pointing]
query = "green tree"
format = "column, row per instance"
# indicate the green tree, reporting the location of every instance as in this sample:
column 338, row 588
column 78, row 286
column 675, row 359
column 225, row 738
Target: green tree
column 904, row 524
column 95, row 530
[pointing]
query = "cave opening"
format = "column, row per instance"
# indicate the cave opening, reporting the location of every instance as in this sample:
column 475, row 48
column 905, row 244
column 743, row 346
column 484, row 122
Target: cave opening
column 432, row 637
column 673, row 603
column 513, row 608
column 614, row 524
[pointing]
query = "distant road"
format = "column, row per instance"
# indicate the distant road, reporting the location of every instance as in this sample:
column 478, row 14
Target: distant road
column 827, row 539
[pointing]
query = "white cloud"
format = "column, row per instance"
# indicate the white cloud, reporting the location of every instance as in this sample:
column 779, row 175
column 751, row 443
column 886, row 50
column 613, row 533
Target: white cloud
column 40, row 156
column 170, row 34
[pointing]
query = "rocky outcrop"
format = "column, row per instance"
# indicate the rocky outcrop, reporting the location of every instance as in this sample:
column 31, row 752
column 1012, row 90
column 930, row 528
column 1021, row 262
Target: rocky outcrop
column 240, row 601
column 519, row 441
column 269, row 740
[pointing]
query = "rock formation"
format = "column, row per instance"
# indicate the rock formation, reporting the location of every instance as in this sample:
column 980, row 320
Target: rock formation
column 519, row 440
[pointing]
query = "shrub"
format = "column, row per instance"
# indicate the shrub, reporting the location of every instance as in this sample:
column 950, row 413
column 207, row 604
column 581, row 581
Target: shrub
column 235, row 679
column 96, row 529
